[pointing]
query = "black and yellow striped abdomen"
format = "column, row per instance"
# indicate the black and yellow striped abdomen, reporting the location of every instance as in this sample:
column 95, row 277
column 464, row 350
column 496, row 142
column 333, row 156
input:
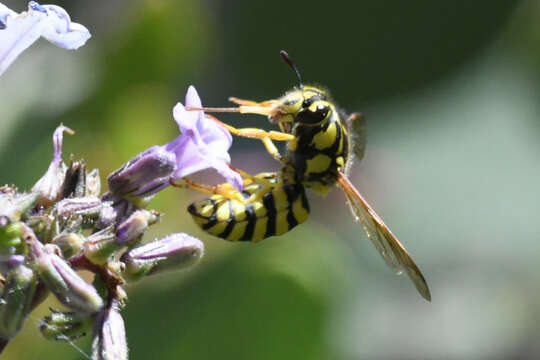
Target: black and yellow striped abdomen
column 270, row 209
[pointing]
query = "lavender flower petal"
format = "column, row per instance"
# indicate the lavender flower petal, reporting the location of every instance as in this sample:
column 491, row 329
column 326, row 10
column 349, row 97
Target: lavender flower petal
column 202, row 144
column 19, row 31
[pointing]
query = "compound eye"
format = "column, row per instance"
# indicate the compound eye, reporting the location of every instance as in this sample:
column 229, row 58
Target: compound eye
column 313, row 117
column 307, row 103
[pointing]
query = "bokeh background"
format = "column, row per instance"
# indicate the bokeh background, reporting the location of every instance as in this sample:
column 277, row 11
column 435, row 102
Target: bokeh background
column 451, row 91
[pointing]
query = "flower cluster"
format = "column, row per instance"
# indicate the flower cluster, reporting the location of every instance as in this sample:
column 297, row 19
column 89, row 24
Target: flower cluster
column 65, row 223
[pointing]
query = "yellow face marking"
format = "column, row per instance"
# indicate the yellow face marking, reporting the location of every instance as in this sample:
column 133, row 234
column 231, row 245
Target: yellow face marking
column 340, row 162
column 318, row 164
column 325, row 139
column 237, row 231
column 260, row 229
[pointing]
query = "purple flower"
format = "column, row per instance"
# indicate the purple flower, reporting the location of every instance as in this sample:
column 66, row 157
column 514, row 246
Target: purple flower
column 19, row 31
column 202, row 144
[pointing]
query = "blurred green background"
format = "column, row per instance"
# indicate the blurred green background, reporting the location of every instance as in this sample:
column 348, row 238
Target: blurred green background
column 451, row 91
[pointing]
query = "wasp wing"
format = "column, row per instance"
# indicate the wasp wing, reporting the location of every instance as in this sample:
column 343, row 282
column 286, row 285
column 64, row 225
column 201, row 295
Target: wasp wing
column 393, row 253
column 356, row 126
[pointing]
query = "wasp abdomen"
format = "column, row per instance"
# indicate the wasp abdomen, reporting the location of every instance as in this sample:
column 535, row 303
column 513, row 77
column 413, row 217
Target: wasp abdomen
column 269, row 210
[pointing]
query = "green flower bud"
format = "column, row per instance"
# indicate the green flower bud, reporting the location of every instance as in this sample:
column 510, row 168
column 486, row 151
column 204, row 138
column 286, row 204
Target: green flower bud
column 14, row 205
column 63, row 326
column 101, row 245
column 10, row 235
column 16, row 300
column 70, row 289
column 70, row 244
column 174, row 252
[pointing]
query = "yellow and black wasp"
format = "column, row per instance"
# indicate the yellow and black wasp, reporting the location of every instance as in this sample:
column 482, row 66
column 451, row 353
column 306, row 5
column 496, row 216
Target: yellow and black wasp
column 321, row 143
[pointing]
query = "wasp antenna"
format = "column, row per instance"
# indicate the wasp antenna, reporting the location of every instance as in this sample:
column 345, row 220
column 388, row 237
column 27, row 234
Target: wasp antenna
column 289, row 62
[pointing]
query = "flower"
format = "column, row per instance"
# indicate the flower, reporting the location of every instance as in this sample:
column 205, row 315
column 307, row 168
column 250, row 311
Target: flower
column 49, row 186
column 202, row 144
column 19, row 31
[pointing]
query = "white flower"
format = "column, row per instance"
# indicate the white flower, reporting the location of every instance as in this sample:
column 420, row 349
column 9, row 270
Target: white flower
column 19, row 31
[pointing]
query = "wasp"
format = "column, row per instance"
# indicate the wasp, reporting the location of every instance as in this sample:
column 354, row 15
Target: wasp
column 321, row 144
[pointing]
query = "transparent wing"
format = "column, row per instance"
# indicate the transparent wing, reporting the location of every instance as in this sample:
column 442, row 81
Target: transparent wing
column 356, row 125
column 393, row 253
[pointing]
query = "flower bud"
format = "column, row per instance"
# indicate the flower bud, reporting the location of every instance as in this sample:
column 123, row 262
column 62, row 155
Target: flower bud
column 93, row 183
column 10, row 262
column 173, row 252
column 101, row 245
column 144, row 175
column 107, row 216
column 10, row 235
column 64, row 326
column 69, row 243
column 49, row 186
column 110, row 341
column 70, row 289
column 13, row 205
column 16, row 300
column 88, row 206
column 131, row 230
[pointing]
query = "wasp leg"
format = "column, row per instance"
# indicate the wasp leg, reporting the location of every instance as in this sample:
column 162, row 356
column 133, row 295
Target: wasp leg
column 266, row 108
column 243, row 102
column 251, row 178
column 225, row 189
column 265, row 136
